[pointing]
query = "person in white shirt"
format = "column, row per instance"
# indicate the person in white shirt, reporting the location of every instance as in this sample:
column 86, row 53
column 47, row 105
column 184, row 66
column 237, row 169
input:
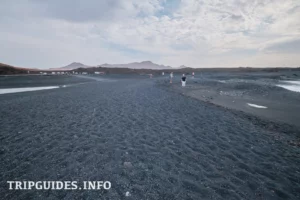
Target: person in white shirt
column 183, row 80
column 171, row 77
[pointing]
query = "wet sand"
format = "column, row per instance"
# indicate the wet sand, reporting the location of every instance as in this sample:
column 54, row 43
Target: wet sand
column 178, row 147
column 257, row 94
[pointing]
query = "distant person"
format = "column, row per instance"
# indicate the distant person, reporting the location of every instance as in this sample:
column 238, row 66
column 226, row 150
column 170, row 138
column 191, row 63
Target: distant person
column 171, row 77
column 151, row 75
column 163, row 73
column 193, row 75
column 183, row 80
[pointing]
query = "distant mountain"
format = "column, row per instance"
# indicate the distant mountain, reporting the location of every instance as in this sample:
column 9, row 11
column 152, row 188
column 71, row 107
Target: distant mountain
column 134, row 65
column 73, row 65
column 137, row 65
column 182, row 67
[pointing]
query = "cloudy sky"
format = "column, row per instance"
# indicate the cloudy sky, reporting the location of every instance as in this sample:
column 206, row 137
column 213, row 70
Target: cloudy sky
column 196, row 33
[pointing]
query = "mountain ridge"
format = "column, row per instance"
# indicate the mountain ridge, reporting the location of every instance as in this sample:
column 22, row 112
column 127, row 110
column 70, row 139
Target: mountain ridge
column 73, row 65
column 137, row 65
column 133, row 65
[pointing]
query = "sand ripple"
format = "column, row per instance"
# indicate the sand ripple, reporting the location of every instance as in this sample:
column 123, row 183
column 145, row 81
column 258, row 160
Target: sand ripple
column 177, row 147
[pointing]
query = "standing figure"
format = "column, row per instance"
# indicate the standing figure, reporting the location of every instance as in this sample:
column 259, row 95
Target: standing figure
column 183, row 80
column 163, row 73
column 193, row 75
column 171, row 77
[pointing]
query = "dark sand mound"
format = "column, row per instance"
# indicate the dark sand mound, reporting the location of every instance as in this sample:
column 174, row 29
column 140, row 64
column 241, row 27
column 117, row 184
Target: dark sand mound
column 178, row 147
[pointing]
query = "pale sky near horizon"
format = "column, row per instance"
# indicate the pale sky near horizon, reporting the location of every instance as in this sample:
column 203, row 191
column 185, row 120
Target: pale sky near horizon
column 195, row 33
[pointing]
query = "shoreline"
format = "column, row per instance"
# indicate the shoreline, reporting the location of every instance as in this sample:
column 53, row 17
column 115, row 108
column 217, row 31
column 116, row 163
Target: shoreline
column 252, row 109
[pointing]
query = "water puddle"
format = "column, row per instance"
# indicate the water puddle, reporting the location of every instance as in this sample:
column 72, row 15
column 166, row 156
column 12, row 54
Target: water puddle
column 292, row 82
column 256, row 106
column 290, row 85
column 27, row 89
column 221, row 81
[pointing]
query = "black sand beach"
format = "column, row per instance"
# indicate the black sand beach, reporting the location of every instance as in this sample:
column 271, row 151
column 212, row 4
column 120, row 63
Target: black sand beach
column 178, row 147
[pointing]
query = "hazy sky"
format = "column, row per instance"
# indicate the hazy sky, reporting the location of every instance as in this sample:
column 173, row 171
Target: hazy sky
column 196, row 33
